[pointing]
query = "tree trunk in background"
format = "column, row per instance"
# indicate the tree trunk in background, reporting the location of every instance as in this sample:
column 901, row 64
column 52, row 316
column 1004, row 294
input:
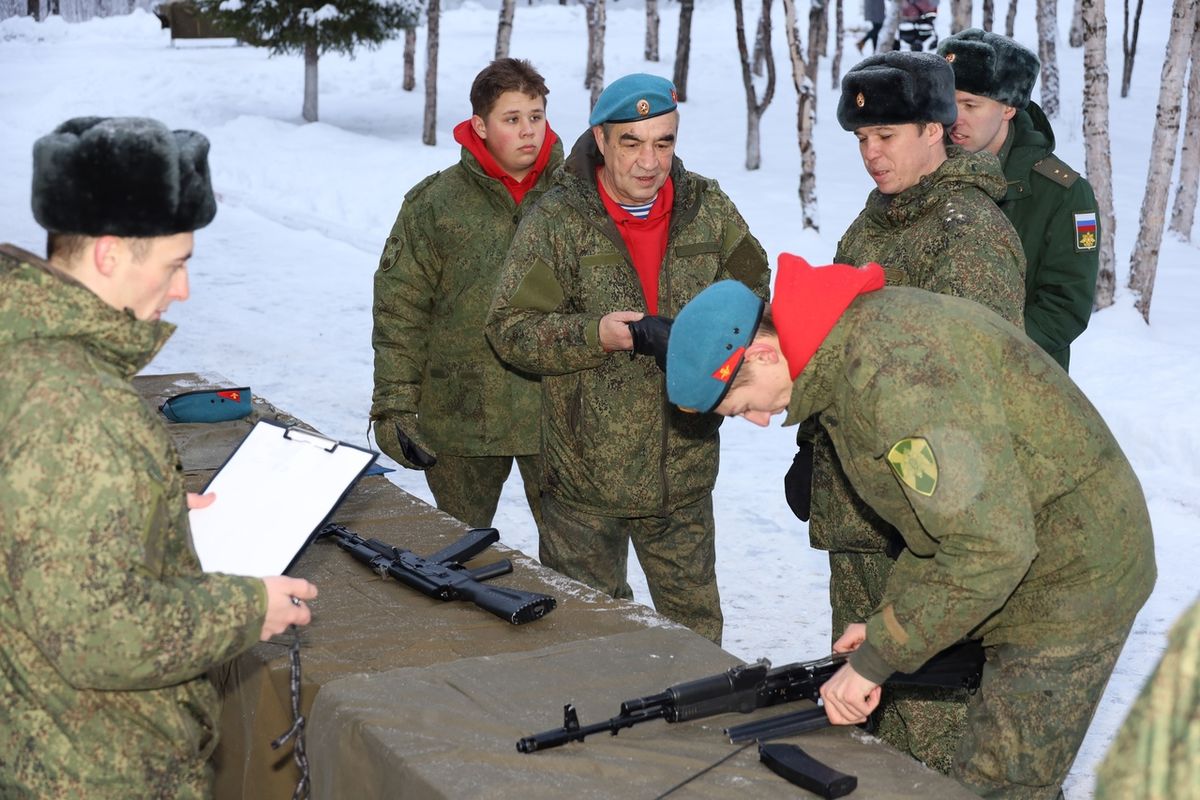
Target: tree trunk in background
column 1011, row 19
column 594, row 77
column 960, row 15
column 309, row 112
column 756, row 60
column 504, row 27
column 410, row 58
column 1047, row 24
column 989, row 14
column 1075, row 37
column 891, row 25
column 1184, row 212
column 804, row 121
column 651, row 30
column 683, row 48
column 1096, row 144
column 818, row 37
column 433, row 15
column 754, row 108
column 1129, row 46
column 1144, row 262
column 835, row 66
column 34, row 9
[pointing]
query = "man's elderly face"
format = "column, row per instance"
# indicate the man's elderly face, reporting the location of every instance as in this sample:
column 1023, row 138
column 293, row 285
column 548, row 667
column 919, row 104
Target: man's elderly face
column 637, row 157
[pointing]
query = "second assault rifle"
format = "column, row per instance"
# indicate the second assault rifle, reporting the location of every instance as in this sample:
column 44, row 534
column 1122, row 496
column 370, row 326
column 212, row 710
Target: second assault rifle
column 443, row 576
column 749, row 686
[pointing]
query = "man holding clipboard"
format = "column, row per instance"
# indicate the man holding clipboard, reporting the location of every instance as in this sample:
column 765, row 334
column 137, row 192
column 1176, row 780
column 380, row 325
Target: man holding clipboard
column 107, row 623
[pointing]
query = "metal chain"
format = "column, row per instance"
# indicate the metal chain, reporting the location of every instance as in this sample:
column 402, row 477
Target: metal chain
column 297, row 729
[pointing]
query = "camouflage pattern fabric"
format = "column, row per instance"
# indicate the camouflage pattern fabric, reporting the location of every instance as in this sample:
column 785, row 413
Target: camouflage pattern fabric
column 612, row 446
column 107, row 624
column 1048, row 203
column 433, row 287
column 1156, row 755
column 1022, row 521
column 468, row 487
column 677, row 553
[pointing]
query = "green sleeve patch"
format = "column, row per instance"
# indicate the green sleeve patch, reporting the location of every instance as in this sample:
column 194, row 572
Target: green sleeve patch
column 539, row 289
column 913, row 462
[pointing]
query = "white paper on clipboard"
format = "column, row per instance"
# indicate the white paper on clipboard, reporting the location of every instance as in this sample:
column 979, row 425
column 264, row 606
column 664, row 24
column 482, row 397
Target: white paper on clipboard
column 274, row 491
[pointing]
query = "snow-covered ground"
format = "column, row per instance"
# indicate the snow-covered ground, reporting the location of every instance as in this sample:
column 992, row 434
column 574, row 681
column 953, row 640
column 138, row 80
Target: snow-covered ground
column 281, row 290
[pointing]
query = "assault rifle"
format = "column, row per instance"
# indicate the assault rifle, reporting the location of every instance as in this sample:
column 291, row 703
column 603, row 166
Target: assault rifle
column 443, row 576
column 750, row 686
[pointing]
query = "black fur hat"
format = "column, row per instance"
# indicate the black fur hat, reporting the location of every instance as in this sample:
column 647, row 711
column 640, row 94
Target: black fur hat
column 897, row 87
column 991, row 65
column 121, row 176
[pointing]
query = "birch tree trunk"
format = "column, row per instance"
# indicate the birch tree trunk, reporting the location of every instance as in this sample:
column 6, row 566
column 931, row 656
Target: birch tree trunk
column 756, row 60
column 651, row 30
column 1144, row 263
column 1129, row 46
column 683, row 48
column 1075, row 37
column 309, row 111
column 1010, row 19
column 504, row 27
column 989, row 14
column 804, row 121
column 594, row 77
column 1097, row 147
column 1184, row 212
column 818, row 37
column 410, row 58
column 891, row 26
column 754, row 108
column 960, row 15
column 835, row 66
column 1047, row 24
column 433, row 15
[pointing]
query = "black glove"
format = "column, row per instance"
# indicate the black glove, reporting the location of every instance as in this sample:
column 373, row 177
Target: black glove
column 650, row 334
column 404, row 448
column 797, row 484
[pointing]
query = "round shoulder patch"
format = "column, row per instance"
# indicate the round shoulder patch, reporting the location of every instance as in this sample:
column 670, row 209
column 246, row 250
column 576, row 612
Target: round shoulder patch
column 915, row 465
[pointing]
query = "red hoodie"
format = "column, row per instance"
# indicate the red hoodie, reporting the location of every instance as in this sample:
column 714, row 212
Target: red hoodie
column 464, row 134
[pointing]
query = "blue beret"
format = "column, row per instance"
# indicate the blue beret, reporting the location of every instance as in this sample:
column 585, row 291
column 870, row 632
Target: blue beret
column 707, row 344
column 208, row 405
column 634, row 97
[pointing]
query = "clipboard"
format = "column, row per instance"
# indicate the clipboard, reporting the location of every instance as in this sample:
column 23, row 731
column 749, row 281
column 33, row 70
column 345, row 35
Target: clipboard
column 273, row 493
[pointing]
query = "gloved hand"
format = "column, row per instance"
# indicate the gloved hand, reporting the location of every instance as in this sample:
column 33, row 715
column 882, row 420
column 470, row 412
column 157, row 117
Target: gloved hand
column 650, row 334
column 398, row 438
column 797, row 484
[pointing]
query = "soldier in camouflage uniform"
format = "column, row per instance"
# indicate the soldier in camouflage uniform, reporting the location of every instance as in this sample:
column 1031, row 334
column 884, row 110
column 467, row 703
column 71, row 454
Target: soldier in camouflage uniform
column 1156, row 755
column 932, row 223
column 443, row 401
column 1022, row 523
column 1050, row 205
column 621, row 463
column 107, row 624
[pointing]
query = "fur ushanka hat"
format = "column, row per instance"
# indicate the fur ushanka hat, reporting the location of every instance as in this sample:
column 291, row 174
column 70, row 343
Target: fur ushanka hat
column 991, row 65
column 121, row 176
column 897, row 87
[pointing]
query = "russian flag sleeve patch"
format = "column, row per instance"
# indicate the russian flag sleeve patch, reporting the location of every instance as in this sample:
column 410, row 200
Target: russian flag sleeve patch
column 1085, row 231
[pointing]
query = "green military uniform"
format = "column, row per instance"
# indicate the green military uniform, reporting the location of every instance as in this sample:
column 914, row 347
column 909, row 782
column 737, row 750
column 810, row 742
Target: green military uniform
column 107, row 624
column 1156, row 755
column 613, row 449
column 945, row 235
column 1022, row 522
column 1050, row 204
column 432, row 291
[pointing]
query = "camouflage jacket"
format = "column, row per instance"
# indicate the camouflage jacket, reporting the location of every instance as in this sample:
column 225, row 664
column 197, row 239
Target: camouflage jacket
column 107, row 624
column 432, row 291
column 1046, row 202
column 1022, row 520
column 611, row 443
column 1156, row 755
column 945, row 235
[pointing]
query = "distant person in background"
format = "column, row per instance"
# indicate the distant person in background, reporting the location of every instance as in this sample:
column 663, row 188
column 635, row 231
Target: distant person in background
column 1050, row 205
column 873, row 14
column 917, row 25
column 443, row 402
column 107, row 624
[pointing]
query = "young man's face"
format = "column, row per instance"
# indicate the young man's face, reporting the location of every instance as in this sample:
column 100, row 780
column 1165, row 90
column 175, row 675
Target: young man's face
column 763, row 387
column 513, row 131
column 147, row 286
column 982, row 123
column 898, row 156
column 637, row 157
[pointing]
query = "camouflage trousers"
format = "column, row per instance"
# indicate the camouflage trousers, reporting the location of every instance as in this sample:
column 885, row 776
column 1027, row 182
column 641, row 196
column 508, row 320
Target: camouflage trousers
column 468, row 487
column 677, row 553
